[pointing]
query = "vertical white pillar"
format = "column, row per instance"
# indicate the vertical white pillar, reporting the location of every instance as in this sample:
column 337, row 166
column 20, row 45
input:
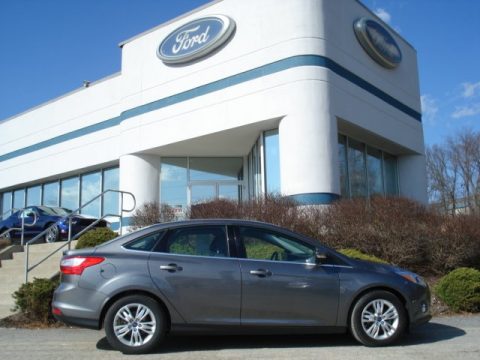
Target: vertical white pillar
column 413, row 187
column 309, row 146
column 139, row 174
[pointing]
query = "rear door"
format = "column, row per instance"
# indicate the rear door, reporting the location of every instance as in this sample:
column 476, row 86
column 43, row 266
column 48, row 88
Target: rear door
column 281, row 284
column 194, row 270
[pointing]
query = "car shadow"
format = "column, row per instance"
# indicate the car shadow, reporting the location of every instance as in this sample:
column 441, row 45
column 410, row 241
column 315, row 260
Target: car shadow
column 428, row 333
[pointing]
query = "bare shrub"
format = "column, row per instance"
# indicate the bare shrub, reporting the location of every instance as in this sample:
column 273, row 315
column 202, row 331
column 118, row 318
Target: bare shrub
column 151, row 213
column 400, row 231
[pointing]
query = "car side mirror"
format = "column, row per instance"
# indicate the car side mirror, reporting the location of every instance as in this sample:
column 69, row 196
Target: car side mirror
column 320, row 257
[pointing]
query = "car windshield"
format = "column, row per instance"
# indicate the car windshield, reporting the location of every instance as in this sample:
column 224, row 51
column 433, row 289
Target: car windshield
column 54, row 211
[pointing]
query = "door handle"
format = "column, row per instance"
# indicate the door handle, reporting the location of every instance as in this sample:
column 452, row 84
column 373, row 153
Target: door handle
column 261, row 273
column 171, row 267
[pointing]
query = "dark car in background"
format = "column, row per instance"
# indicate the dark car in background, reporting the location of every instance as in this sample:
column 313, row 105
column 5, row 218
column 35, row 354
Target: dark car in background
column 45, row 217
column 232, row 276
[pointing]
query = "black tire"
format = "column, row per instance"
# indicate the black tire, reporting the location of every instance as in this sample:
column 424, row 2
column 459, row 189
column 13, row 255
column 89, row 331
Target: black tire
column 378, row 328
column 116, row 314
column 53, row 234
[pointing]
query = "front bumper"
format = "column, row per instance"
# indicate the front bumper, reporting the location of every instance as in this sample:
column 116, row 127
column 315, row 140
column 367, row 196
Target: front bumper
column 419, row 307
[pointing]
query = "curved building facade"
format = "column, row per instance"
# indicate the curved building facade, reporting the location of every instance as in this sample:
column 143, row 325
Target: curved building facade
column 314, row 99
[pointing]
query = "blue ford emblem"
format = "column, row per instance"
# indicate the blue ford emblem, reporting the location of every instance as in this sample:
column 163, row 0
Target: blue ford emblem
column 195, row 39
column 378, row 43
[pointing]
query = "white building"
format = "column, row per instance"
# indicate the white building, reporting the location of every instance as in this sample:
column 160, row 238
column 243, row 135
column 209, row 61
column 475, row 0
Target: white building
column 234, row 99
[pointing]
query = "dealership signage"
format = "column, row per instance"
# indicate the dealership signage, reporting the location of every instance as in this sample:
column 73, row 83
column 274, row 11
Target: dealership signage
column 378, row 43
column 195, row 39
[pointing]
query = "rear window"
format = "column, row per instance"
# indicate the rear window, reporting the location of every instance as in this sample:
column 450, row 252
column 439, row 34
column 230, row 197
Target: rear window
column 145, row 243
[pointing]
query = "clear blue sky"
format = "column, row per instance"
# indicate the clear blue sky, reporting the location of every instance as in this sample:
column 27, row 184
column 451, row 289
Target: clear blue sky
column 48, row 47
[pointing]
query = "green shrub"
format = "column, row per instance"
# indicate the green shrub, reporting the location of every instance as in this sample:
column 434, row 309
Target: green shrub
column 460, row 289
column 95, row 237
column 355, row 254
column 34, row 299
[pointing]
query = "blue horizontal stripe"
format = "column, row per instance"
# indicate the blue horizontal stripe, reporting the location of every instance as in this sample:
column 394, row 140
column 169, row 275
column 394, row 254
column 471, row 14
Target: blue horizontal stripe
column 315, row 198
column 268, row 69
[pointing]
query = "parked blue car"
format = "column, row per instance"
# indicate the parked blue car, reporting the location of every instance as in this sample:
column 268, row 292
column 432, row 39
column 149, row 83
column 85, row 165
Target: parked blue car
column 45, row 217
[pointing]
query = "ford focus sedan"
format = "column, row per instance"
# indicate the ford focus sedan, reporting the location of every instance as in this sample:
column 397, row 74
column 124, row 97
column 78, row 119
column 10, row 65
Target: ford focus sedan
column 232, row 276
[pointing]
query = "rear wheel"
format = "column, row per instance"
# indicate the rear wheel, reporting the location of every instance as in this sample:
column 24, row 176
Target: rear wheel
column 378, row 318
column 52, row 235
column 135, row 324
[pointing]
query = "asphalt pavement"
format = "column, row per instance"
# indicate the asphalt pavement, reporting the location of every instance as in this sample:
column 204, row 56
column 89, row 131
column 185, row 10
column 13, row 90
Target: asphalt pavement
column 456, row 337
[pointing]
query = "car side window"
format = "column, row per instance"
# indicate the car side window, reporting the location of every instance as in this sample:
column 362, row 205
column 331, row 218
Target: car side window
column 145, row 243
column 200, row 241
column 262, row 244
column 26, row 213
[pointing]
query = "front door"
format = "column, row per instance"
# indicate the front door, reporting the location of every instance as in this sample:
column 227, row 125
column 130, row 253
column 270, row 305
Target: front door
column 194, row 271
column 282, row 285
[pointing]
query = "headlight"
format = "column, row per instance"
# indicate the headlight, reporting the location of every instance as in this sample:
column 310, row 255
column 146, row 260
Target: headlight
column 412, row 277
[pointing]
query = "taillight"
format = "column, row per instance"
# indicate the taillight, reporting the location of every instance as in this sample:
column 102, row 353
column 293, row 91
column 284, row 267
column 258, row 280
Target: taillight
column 76, row 264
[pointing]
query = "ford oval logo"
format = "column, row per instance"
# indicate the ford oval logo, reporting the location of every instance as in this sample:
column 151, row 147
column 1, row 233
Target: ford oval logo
column 378, row 42
column 195, row 39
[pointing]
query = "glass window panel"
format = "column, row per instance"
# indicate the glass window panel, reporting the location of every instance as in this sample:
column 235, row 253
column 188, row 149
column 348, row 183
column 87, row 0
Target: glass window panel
column 7, row 204
column 173, row 183
column 201, row 241
column 69, row 197
column 202, row 193
column 374, row 169
column 216, row 169
column 342, row 159
column 111, row 200
column 356, row 168
column 230, row 191
column 34, row 196
column 266, row 245
column 391, row 177
column 145, row 243
column 50, row 194
column 272, row 161
column 91, row 187
column 254, row 171
column 19, row 199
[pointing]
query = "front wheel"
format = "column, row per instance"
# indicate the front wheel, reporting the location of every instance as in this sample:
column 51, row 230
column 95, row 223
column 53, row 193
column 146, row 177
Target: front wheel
column 378, row 318
column 52, row 234
column 135, row 324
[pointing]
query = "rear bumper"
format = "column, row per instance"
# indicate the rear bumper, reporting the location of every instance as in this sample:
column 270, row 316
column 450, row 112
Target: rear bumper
column 77, row 306
column 79, row 322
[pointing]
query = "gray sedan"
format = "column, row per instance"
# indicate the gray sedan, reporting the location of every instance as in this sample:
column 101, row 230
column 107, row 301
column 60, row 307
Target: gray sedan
column 232, row 276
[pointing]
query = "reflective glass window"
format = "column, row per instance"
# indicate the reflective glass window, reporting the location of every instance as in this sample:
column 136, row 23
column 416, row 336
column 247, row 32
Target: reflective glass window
column 216, row 169
column 34, row 196
column 91, row 187
column 19, row 199
column 6, row 204
column 202, row 193
column 342, row 157
column 110, row 199
column 272, row 161
column 391, row 177
column 356, row 168
column 254, row 171
column 374, row 170
column 50, row 194
column 69, row 197
column 173, row 183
